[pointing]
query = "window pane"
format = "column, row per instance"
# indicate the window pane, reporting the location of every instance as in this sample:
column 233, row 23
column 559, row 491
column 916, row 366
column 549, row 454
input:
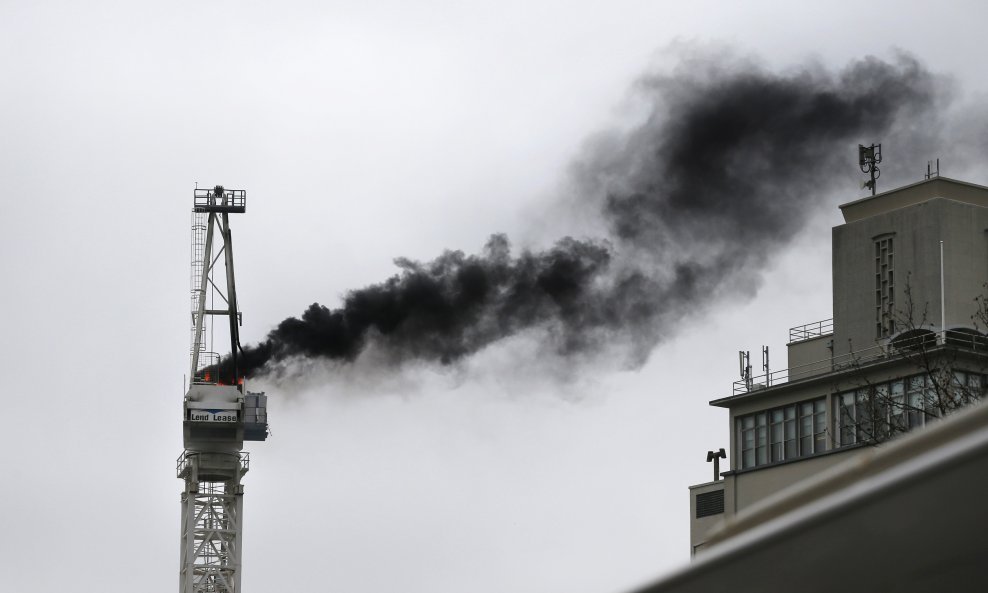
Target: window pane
column 848, row 399
column 761, row 441
column 897, row 415
column 917, row 383
column 806, row 445
column 790, row 429
column 974, row 381
column 880, row 412
column 806, row 428
column 845, row 419
column 819, row 426
column 777, row 442
column 862, row 415
column 931, row 400
column 915, row 408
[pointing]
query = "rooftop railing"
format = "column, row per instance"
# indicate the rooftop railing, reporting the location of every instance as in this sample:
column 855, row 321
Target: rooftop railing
column 913, row 343
column 811, row 330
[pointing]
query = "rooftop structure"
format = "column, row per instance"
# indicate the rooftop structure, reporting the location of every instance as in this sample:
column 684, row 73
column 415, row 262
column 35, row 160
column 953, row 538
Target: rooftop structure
column 903, row 349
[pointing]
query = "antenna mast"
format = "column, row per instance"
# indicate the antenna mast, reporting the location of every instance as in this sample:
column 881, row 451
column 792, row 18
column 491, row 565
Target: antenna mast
column 868, row 159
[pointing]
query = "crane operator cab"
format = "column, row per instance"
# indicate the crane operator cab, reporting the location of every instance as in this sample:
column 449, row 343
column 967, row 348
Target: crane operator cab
column 221, row 417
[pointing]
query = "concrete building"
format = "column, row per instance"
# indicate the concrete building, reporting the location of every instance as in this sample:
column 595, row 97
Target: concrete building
column 905, row 517
column 904, row 349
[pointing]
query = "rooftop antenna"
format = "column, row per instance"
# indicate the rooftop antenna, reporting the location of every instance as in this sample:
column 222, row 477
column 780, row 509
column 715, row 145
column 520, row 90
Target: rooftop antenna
column 868, row 159
column 930, row 172
column 744, row 363
column 765, row 366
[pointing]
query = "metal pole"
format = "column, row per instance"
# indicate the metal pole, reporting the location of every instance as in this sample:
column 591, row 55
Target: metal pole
column 765, row 366
column 231, row 293
column 943, row 302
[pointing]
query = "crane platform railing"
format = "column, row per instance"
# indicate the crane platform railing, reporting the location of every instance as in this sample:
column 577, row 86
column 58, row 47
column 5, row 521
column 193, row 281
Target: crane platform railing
column 219, row 199
column 184, row 462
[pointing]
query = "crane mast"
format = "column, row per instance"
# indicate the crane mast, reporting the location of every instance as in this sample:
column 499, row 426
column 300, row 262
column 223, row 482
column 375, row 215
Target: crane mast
column 219, row 413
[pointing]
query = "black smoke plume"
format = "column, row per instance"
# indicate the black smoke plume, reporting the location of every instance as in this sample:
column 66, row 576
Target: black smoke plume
column 725, row 169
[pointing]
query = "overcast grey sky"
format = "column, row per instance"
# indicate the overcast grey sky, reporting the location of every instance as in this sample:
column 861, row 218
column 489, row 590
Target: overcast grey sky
column 363, row 131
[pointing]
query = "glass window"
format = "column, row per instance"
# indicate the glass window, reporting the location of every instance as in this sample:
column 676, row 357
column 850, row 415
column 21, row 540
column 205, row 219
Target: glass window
column 747, row 441
column 761, row 439
column 819, row 425
column 862, row 415
column 880, row 411
column 975, row 383
column 883, row 410
column 790, row 412
column 782, row 433
column 897, row 413
column 914, row 402
column 776, row 435
column 845, row 416
column 931, row 400
column 806, row 428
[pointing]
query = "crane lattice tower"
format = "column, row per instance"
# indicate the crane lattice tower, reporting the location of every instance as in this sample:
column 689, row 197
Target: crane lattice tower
column 219, row 413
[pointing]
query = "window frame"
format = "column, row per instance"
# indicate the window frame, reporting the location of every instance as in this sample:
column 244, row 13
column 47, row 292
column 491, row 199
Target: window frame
column 878, row 411
column 781, row 433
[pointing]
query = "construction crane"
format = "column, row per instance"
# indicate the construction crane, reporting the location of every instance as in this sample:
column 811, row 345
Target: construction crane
column 219, row 413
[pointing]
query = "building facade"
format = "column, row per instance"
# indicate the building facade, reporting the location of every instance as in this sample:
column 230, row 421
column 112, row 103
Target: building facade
column 905, row 347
